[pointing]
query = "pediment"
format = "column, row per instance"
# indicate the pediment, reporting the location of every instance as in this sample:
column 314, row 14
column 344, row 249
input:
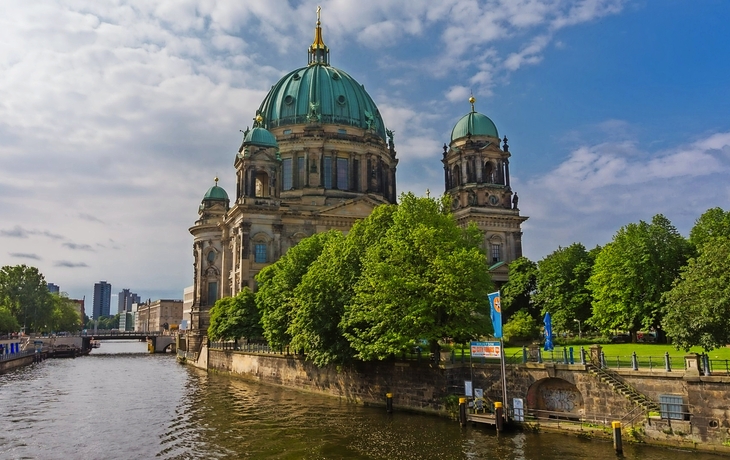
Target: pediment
column 358, row 207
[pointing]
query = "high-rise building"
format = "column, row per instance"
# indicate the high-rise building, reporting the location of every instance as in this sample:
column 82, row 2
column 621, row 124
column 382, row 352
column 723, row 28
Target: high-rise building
column 102, row 299
column 53, row 288
column 125, row 300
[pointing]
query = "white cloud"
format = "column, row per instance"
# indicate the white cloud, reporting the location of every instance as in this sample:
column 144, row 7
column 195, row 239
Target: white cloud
column 599, row 188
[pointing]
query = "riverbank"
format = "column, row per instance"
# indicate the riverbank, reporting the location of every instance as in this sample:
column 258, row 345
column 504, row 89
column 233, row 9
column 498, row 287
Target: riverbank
column 582, row 401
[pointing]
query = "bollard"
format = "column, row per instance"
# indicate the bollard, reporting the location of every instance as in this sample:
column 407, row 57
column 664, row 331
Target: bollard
column 565, row 355
column 539, row 355
column 603, row 360
column 583, row 356
column 617, row 445
column 389, row 402
column 498, row 414
column 634, row 362
column 524, row 354
column 462, row 412
column 570, row 353
column 706, row 364
column 667, row 362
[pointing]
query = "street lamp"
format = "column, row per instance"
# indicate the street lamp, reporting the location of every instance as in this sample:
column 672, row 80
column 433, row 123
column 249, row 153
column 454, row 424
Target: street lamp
column 580, row 334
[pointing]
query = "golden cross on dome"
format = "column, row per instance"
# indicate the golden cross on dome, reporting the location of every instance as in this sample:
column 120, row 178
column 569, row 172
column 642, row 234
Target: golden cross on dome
column 319, row 9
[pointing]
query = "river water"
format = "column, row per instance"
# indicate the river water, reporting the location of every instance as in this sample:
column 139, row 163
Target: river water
column 122, row 403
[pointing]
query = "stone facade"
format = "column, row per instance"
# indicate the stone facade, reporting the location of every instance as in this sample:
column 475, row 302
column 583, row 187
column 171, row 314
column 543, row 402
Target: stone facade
column 153, row 316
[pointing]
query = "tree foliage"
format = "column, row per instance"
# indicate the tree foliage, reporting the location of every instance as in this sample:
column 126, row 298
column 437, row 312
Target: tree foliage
column 275, row 296
column 65, row 315
column 24, row 292
column 633, row 271
column 235, row 317
column 328, row 288
column 712, row 223
column 697, row 310
column 425, row 278
column 8, row 323
column 517, row 292
column 561, row 286
column 522, row 327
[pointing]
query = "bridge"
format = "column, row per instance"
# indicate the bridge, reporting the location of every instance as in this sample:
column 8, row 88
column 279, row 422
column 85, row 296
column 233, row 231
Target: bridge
column 156, row 341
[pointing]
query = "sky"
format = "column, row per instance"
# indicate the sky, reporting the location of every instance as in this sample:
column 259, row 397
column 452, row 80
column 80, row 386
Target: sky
column 115, row 116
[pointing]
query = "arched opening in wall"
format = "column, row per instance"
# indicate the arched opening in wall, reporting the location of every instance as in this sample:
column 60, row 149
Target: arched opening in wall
column 262, row 184
column 554, row 398
column 456, row 176
column 261, row 248
column 495, row 249
column 488, row 172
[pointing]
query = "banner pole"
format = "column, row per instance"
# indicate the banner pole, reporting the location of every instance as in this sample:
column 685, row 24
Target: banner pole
column 504, row 380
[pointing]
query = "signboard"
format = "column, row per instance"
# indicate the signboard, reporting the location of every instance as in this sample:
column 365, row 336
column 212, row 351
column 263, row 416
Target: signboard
column 467, row 388
column 519, row 410
column 486, row 350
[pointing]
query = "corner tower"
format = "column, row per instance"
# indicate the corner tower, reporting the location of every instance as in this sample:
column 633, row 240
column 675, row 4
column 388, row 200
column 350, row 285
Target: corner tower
column 476, row 176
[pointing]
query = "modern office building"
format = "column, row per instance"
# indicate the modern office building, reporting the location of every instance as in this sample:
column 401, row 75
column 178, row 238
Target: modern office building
column 53, row 288
column 101, row 305
column 125, row 299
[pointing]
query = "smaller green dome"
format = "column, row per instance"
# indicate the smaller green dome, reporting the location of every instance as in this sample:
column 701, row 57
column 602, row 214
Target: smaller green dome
column 216, row 193
column 260, row 137
column 476, row 124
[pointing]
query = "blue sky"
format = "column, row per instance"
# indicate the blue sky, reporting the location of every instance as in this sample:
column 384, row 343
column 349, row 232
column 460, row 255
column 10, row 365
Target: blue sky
column 115, row 116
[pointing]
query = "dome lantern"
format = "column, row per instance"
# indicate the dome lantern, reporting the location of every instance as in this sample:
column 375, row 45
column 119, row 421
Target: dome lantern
column 319, row 54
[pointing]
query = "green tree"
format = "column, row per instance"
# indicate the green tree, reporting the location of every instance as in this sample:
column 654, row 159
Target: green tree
column 632, row 272
column 522, row 327
column 275, row 297
column 328, row 287
column 517, row 292
column 8, row 323
column 697, row 308
column 426, row 278
column 65, row 315
column 562, row 286
column 712, row 223
column 24, row 292
column 235, row 317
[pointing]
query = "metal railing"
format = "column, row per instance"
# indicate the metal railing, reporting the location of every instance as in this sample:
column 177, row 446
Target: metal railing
column 571, row 418
column 191, row 355
column 18, row 355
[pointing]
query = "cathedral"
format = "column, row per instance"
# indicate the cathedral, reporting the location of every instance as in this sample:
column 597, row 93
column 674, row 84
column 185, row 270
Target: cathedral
column 319, row 157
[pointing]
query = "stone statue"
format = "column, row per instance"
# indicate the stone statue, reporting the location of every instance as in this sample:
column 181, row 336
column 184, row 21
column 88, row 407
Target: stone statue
column 390, row 135
column 515, row 200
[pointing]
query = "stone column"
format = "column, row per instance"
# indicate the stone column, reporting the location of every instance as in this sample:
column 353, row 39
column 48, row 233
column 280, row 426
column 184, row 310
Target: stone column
column 596, row 355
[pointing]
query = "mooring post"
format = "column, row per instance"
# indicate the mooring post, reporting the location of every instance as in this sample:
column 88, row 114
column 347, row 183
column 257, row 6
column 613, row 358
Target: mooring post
column 498, row 414
column 617, row 445
column 389, row 402
column 462, row 412
column 667, row 362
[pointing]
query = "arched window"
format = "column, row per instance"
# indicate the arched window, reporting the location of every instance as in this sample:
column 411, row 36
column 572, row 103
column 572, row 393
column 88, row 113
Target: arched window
column 262, row 184
column 287, row 173
column 456, row 176
column 488, row 172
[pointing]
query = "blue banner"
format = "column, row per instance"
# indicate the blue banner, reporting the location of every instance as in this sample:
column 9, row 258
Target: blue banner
column 548, row 332
column 496, row 303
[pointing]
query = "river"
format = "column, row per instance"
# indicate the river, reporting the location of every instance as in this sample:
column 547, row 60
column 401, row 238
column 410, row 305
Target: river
column 122, row 403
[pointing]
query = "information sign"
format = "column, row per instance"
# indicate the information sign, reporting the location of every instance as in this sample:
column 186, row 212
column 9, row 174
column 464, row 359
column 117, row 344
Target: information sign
column 486, row 350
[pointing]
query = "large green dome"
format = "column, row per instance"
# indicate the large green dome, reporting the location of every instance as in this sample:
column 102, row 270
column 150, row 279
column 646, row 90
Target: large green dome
column 320, row 93
column 475, row 124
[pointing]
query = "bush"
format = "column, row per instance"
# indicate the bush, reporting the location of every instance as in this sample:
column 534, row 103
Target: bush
column 521, row 328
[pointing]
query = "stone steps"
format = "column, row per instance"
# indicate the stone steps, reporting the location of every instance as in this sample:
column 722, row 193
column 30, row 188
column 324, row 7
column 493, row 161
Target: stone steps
column 623, row 388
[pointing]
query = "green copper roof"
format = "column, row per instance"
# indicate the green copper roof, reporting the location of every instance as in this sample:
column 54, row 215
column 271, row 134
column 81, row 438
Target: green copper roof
column 476, row 124
column 260, row 137
column 322, row 94
column 216, row 193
